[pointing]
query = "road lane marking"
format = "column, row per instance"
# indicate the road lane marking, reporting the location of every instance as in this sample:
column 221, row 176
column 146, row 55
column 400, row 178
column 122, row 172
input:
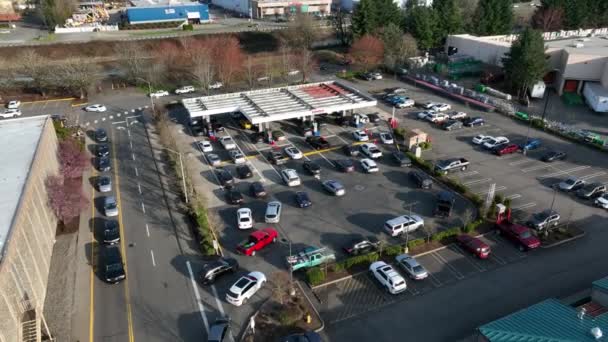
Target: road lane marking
column 139, row 187
column 95, row 121
column 567, row 171
column 129, row 133
column 133, row 156
column 122, row 246
column 111, row 117
column 117, row 115
column 484, row 180
column 143, row 207
column 199, row 301
column 593, row 175
column 152, row 255
column 118, row 122
column 514, row 196
column 217, row 300
column 103, row 119
column 136, row 171
column 131, row 144
column 92, row 275
column 147, row 230
column 524, row 206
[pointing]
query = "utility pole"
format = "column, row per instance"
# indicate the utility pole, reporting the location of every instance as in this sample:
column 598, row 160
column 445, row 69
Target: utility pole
column 181, row 166
column 149, row 93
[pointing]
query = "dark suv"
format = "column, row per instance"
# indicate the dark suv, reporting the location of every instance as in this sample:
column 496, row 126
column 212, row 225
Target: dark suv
column 421, row 179
column 216, row 268
column 111, row 232
column 318, row 143
column 114, row 270
column 592, row 190
column 101, row 135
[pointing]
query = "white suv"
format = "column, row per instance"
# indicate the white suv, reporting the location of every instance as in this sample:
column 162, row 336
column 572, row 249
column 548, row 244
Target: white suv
column 371, row 150
column 184, row 90
column 491, row 143
column 290, row 177
column 244, row 218
column 369, row 165
column 388, row 277
column 245, row 288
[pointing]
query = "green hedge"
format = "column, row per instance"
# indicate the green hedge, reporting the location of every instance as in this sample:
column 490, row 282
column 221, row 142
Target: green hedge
column 204, row 231
column 392, row 250
column 415, row 243
column 444, row 235
column 348, row 75
column 188, row 27
column 472, row 226
column 315, row 276
column 356, row 260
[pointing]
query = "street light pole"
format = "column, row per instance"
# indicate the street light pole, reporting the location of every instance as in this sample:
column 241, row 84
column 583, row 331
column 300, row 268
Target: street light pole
column 181, row 166
column 149, row 92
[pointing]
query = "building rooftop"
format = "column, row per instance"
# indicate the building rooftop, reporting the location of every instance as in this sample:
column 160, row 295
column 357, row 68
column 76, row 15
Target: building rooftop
column 547, row 321
column 22, row 135
column 601, row 283
column 155, row 3
column 274, row 104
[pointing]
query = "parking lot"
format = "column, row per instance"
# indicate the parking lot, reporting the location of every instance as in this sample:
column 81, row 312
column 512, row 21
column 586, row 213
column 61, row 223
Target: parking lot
column 362, row 293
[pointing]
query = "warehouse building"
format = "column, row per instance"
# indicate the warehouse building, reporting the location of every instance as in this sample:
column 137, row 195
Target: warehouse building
column 159, row 11
column 576, row 57
column 27, row 225
column 260, row 9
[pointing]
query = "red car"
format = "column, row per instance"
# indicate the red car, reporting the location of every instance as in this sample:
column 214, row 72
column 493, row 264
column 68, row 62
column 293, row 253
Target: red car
column 474, row 245
column 506, row 149
column 257, row 240
column 520, row 235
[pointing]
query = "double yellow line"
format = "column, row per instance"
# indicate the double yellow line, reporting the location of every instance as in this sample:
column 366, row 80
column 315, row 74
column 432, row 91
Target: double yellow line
column 122, row 249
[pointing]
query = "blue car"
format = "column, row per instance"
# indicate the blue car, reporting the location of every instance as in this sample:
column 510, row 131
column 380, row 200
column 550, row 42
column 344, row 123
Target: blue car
column 531, row 144
column 400, row 101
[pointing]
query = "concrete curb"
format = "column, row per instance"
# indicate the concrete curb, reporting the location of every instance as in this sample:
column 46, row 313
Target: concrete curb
column 414, row 255
column 313, row 307
column 563, row 241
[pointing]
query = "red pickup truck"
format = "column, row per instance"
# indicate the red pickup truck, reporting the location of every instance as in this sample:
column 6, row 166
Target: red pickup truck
column 257, row 240
column 517, row 233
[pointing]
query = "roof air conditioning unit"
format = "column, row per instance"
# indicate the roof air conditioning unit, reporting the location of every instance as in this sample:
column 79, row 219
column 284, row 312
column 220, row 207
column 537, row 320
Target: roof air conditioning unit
column 597, row 333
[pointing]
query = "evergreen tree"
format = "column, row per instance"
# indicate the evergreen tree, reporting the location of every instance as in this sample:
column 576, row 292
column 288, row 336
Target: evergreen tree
column 387, row 12
column 493, row 17
column 364, row 19
column 422, row 24
column 526, row 62
column 449, row 17
column 576, row 14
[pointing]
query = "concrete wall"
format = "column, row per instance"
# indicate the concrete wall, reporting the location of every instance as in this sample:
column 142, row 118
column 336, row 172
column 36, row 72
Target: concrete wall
column 24, row 268
column 584, row 67
column 600, row 296
column 489, row 52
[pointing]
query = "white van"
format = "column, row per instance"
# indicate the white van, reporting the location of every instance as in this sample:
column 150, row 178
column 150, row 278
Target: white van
column 273, row 212
column 403, row 224
column 290, row 177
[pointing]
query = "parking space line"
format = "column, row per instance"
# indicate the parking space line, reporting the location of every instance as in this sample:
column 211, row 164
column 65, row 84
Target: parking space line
column 152, row 255
column 498, row 188
column 537, row 167
column 593, row 175
column 240, row 150
column 337, row 136
column 143, row 207
column 147, row 230
column 507, row 157
column 217, row 300
column 514, row 196
column 470, row 173
column 524, row 206
column 477, row 181
column 522, row 161
column 567, row 171
column 436, row 282
column 468, row 258
column 442, row 260
column 199, row 301
column 500, row 260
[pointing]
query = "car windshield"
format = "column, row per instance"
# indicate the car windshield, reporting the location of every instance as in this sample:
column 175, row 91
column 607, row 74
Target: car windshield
column 570, row 181
column 111, row 205
column 104, row 181
column 418, row 269
column 540, row 216
column 114, row 267
column 244, row 219
column 525, row 235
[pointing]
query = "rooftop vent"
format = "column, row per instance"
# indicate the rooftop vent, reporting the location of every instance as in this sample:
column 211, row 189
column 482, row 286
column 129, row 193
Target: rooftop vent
column 597, row 333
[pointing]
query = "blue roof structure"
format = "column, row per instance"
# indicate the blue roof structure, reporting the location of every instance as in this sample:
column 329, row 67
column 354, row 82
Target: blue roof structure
column 163, row 13
column 547, row 321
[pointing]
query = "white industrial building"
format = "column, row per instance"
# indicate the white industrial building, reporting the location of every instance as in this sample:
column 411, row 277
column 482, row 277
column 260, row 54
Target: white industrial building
column 270, row 8
column 576, row 57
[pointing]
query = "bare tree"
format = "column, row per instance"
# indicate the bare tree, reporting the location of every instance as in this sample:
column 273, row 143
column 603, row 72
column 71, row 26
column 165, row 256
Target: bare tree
column 286, row 62
column 251, row 72
column 368, row 51
column 201, row 69
column 341, row 23
column 228, row 58
column 548, row 18
column 467, row 217
column 37, row 68
column 77, row 75
column 134, row 60
column 269, row 64
column 305, row 63
column 280, row 286
column 301, row 33
column 7, row 81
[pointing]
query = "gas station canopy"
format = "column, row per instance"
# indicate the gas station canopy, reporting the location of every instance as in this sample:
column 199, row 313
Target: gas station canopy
column 276, row 104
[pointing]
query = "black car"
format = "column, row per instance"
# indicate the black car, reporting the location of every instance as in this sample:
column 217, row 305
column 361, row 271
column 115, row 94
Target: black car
column 234, row 196
column 303, row 200
column 421, row 179
column 553, row 156
column 111, row 232
column 102, row 150
column 101, row 135
column 244, row 171
column 103, row 164
column 345, row 165
column 277, row 158
column 445, row 203
column 318, row 143
column 472, row 122
column 113, row 268
column 401, row 158
column 311, row 167
column 216, row 268
column 373, row 117
column 225, row 178
column 257, row 137
column 592, row 190
column 309, row 336
column 219, row 331
column 452, row 124
column 257, row 190
column 350, row 150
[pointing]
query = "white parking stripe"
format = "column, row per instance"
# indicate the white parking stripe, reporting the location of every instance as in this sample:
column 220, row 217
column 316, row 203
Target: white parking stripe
column 152, row 255
column 484, row 180
column 337, row 136
column 537, row 167
column 147, row 230
column 470, row 173
column 562, row 172
column 239, row 148
column 498, row 188
column 593, row 175
column 442, row 260
column 519, row 162
column 524, row 206
column 508, row 156
column 514, row 196
column 217, row 300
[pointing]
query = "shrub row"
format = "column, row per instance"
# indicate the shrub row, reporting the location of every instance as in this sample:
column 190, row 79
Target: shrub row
column 445, row 235
column 356, row 260
column 415, row 243
column 315, row 276
column 203, row 230
column 188, row 27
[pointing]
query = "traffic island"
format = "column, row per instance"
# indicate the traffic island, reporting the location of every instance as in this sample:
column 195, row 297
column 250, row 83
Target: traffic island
column 283, row 315
column 560, row 235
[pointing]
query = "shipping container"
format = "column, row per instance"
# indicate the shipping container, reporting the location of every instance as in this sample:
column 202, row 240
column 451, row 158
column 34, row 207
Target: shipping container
column 596, row 96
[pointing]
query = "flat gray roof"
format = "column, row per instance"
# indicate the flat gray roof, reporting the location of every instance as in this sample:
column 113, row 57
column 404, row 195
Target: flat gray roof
column 283, row 103
column 19, row 137
column 156, row 3
column 587, row 45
